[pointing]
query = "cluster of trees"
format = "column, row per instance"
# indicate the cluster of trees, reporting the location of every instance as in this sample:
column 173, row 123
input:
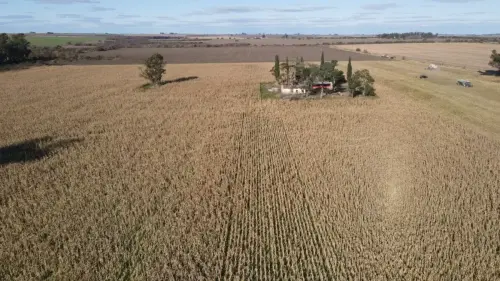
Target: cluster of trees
column 298, row 74
column 408, row 35
column 13, row 48
column 16, row 49
column 361, row 82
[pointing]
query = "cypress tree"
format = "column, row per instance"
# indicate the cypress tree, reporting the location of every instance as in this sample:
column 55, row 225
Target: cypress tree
column 349, row 70
column 287, row 69
column 322, row 58
column 277, row 68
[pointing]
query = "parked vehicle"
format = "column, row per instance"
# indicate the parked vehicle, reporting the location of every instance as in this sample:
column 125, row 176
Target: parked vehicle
column 464, row 83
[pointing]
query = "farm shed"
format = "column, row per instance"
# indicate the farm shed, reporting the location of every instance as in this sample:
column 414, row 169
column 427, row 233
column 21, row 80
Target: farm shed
column 324, row 85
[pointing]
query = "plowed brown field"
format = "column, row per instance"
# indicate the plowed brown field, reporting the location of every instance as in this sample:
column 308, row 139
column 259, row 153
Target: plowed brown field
column 225, row 54
column 201, row 180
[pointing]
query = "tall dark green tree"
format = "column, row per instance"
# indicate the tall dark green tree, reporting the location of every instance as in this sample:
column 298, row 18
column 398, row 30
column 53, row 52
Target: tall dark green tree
column 4, row 39
column 299, row 68
column 286, row 67
column 322, row 58
column 276, row 68
column 349, row 70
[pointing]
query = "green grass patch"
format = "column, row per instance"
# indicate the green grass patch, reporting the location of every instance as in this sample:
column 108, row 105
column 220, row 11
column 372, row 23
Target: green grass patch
column 52, row 41
column 146, row 86
column 265, row 93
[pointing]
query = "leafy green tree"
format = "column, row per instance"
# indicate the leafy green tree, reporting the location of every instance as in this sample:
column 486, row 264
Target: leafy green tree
column 299, row 71
column 495, row 60
column 322, row 58
column 14, row 49
column 362, row 82
column 18, row 48
column 334, row 63
column 320, row 73
column 154, row 69
column 311, row 75
column 332, row 74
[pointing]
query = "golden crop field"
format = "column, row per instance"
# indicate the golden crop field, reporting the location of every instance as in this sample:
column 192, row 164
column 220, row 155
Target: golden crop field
column 474, row 56
column 201, row 180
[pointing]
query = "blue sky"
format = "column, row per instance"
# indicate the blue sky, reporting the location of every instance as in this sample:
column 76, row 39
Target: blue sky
column 256, row 16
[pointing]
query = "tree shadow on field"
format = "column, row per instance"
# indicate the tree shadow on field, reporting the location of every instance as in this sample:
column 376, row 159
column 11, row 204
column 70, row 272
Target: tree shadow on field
column 489, row 72
column 15, row 67
column 33, row 150
column 178, row 80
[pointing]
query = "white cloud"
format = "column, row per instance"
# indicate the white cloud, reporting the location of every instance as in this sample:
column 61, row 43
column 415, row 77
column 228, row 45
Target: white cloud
column 379, row 7
column 101, row 9
column 62, row 2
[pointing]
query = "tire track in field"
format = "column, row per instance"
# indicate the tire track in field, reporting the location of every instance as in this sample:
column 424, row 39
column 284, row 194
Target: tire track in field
column 271, row 233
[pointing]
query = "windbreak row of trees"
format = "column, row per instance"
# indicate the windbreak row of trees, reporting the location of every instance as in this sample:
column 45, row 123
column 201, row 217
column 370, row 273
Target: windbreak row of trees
column 408, row 35
column 17, row 49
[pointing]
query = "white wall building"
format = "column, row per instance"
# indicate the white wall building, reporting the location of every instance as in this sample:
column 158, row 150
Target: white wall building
column 287, row 90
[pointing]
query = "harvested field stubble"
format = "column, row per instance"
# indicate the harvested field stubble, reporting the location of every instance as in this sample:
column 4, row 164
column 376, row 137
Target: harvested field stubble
column 202, row 180
column 470, row 55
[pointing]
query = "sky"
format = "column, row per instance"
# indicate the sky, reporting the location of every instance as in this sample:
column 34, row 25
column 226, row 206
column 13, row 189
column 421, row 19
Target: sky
column 250, row 16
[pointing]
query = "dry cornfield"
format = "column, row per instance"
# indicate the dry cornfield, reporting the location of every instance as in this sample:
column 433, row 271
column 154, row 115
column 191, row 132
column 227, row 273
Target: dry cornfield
column 201, row 180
